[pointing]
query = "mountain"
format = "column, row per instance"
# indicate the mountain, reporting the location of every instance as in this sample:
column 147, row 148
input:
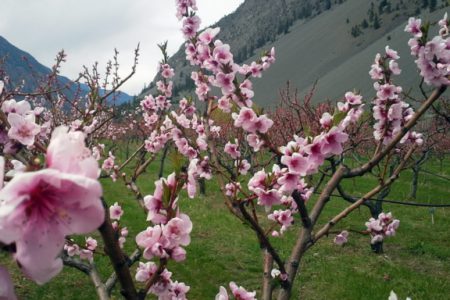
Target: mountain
column 331, row 42
column 22, row 68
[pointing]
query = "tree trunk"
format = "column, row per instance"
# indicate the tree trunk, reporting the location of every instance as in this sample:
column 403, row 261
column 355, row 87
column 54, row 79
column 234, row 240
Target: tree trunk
column 414, row 182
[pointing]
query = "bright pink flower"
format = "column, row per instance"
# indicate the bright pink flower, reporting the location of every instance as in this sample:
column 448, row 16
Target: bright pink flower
column 333, row 140
column 23, row 128
column 225, row 82
column 268, row 198
column 257, row 181
column 208, row 35
column 68, row 153
column 232, row 150
column 353, row 99
column 245, row 118
column 147, row 239
column 87, row 254
column 222, row 53
column 392, row 54
column 243, row 167
column 326, row 120
column 241, row 293
column 288, row 182
column 283, row 217
column 166, row 71
column 178, row 254
column 115, row 211
column 178, row 230
column 177, row 290
column 40, row 208
column 232, row 188
column 72, row 249
column 261, row 124
column 296, row 163
column 222, row 295
column 145, row 271
column 20, row 108
column 341, row 238
column 255, row 142
column 413, row 27
column 91, row 243
column 386, row 91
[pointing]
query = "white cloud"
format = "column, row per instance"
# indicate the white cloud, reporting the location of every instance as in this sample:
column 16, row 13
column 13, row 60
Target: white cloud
column 89, row 31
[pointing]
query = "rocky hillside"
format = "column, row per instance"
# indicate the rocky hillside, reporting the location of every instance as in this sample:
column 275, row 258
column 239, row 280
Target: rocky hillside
column 332, row 42
column 23, row 69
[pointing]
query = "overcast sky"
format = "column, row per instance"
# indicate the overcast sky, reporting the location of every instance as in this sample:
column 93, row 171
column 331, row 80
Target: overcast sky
column 89, row 30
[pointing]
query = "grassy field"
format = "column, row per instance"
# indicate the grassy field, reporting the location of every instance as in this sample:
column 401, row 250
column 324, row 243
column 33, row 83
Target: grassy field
column 416, row 262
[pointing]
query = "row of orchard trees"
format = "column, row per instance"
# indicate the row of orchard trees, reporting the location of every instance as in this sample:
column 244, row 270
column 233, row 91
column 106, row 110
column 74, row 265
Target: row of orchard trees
column 54, row 157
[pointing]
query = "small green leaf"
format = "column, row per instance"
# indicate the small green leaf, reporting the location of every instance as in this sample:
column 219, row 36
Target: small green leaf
column 338, row 117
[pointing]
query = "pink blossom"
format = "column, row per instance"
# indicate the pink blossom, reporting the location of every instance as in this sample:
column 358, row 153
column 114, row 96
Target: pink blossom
column 12, row 106
column 222, row 53
column 333, row 140
column 177, row 290
column 72, row 249
column 341, row 238
column 326, row 120
column 243, row 167
column 283, row 217
column 392, row 54
column 166, row 71
column 40, row 208
column 245, row 118
column 232, row 188
column 86, row 254
column 296, row 163
column 268, row 198
column 261, row 124
column 257, row 181
column 289, row 182
column 353, row 99
column 23, row 128
column 91, row 243
column 241, row 293
column 108, row 164
column 68, row 153
column 178, row 254
column 222, row 295
column 413, row 27
column 393, row 66
column 147, row 239
column 225, row 82
column 208, row 35
column 255, row 142
column 178, row 230
column 232, row 150
column 145, row 271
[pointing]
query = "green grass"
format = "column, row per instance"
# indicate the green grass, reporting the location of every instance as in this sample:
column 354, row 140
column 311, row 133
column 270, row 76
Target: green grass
column 416, row 262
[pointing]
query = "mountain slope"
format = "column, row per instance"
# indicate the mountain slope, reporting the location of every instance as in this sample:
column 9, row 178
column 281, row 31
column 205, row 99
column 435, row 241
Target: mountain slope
column 24, row 69
column 332, row 42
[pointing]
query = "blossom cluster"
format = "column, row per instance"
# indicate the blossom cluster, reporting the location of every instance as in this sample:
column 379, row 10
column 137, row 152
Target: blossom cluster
column 385, row 225
column 433, row 57
column 164, row 240
column 390, row 111
column 164, row 288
